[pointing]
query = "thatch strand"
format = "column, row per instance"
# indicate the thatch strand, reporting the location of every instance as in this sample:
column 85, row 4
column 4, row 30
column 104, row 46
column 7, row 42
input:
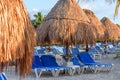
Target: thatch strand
column 112, row 31
column 65, row 23
column 98, row 27
column 17, row 35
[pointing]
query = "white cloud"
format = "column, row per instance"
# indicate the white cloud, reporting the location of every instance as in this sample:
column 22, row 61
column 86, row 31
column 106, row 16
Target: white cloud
column 85, row 5
column 33, row 10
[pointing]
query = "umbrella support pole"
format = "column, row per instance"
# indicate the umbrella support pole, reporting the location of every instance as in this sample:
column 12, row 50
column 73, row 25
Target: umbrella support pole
column 87, row 48
column 67, row 52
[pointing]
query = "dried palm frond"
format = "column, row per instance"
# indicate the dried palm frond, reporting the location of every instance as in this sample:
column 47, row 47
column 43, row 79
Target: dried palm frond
column 17, row 35
column 112, row 31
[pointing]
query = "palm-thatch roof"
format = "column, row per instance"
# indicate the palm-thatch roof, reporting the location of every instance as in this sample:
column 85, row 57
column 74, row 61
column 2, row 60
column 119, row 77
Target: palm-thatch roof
column 65, row 23
column 17, row 35
column 99, row 27
column 119, row 30
column 112, row 31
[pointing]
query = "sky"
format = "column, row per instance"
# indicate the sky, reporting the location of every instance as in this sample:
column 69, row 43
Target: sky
column 99, row 7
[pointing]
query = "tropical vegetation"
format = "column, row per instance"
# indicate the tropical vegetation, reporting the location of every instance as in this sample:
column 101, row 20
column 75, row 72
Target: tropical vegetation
column 38, row 19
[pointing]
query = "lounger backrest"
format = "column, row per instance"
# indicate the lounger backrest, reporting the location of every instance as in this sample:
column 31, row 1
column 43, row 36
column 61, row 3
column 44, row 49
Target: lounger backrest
column 41, row 51
column 75, row 51
column 3, row 76
column 75, row 61
column 64, row 51
column 85, row 58
column 49, row 61
column 54, row 51
column 98, row 48
column 36, row 63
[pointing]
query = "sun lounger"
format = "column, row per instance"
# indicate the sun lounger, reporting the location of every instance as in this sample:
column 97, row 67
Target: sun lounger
column 3, row 76
column 64, row 51
column 94, row 53
column 50, row 61
column 38, row 67
column 86, row 59
column 39, row 50
column 90, row 67
column 76, row 62
column 55, row 51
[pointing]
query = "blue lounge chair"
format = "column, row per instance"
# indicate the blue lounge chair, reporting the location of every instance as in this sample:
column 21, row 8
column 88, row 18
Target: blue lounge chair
column 50, row 61
column 64, row 51
column 76, row 62
column 38, row 67
column 54, row 51
column 91, row 67
column 94, row 53
column 86, row 59
column 74, row 51
column 3, row 76
column 39, row 50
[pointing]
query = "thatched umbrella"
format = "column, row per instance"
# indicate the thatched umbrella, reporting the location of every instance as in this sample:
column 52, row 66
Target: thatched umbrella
column 66, row 24
column 112, row 31
column 99, row 27
column 119, row 30
column 17, row 35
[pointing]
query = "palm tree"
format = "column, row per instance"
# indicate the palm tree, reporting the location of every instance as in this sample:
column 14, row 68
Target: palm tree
column 116, row 8
column 38, row 19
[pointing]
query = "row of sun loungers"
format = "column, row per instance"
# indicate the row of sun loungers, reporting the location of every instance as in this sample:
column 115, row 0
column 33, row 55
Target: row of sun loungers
column 81, row 62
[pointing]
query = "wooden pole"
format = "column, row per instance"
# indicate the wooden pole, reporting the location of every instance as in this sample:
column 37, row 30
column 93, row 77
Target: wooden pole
column 67, row 52
column 87, row 48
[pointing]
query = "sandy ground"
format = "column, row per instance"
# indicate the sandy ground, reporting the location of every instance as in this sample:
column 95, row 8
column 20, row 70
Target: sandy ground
column 114, row 74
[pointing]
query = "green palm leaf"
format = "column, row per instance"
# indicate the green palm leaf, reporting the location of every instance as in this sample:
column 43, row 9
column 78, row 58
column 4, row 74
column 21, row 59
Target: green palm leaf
column 116, row 8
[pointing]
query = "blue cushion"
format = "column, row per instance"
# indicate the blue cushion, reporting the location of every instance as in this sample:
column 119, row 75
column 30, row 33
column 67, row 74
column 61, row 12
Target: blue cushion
column 41, row 51
column 85, row 58
column 64, row 51
column 54, row 51
column 36, row 62
column 75, row 51
column 98, row 49
column 75, row 61
column 49, row 61
column 3, row 76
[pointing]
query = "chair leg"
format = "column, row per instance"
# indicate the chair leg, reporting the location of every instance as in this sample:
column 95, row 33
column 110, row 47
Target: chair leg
column 40, row 74
column 83, row 69
column 55, row 73
column 96, row 70
column 36, row 73
column 71, row 72
column 79, row 70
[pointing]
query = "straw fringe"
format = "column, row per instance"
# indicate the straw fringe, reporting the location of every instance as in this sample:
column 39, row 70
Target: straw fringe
column 17, row 35
column 65, row 31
